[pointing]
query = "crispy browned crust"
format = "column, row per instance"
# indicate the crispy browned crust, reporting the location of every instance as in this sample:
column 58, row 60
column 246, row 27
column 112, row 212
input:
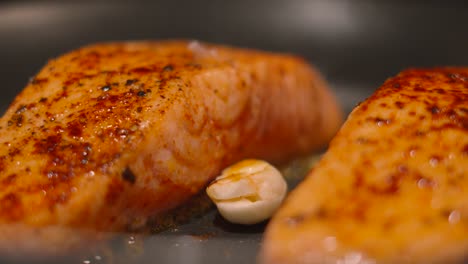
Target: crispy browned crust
column 392, row 187
column 110, row 134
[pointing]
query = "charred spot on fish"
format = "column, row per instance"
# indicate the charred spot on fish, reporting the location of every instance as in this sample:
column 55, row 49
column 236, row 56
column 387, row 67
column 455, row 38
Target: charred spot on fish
column 9, row 179
column 434, row 110
column 128, row 175
column 106, row 88
column 243, row 83
column 142, row 70
column 359, row 212
column 2, row 163
column 58, row 129
column 30, row 106
column 16, row 119
column 418, row 88
column 141, row 93
column 11, row 198
column 82, row 119
column 396, row 85
column 108, row 72
column 419, row 133
column 168, row 68
column 427, row 76
column 139, row 109
column 362, row 106
column 383, row 105
column 103, row 97
column 92, row 54
column 130, row 82
column 321, row 213
column 114, row 99
column 11, row 206
column 439, row 91
column 445, row 213
column 13, row 152
column 38, row 80
column 399, row 104
column 391, row 186
column 74, row 129
column 56, row 161
column 47, row 145
column 21, row 109
column 451, row 114
column 465, row 150
column 358, row 180
column 362, row 140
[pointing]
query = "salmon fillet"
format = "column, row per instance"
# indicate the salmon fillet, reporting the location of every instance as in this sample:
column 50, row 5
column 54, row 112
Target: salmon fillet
column 393, row 185
column 108, row 135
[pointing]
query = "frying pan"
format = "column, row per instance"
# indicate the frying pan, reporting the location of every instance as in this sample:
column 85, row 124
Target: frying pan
column 355, row 44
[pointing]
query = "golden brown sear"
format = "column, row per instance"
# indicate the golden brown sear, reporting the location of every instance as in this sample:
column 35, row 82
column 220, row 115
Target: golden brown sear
column 392, row 187
column 111, row 134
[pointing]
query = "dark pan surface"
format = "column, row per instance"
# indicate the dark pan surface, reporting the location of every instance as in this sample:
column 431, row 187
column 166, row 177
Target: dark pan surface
column 356, row 44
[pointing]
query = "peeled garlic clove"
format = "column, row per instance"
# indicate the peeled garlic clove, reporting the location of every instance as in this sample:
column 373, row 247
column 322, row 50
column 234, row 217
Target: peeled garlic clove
column 248, row 192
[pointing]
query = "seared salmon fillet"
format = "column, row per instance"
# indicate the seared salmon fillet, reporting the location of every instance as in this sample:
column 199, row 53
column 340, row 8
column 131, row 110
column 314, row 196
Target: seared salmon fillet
column 108, row 135
column 393, row 185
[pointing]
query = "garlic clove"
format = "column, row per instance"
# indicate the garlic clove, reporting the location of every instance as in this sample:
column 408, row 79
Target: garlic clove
column 248, row 192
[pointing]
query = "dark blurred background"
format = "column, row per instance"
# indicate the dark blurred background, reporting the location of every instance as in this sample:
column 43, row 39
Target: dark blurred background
column 356, row 44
